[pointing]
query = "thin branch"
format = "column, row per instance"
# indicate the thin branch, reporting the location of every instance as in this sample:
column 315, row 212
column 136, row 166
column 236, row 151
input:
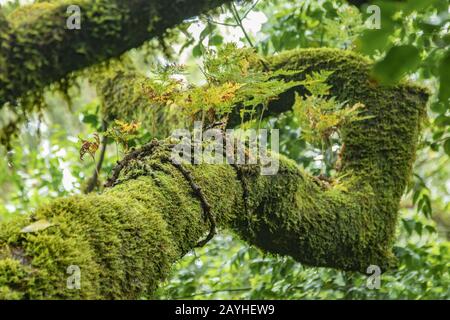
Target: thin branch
column 208, row 216
column 221, row 23
column 144, row 150
column 238, row 19
column 250, row 9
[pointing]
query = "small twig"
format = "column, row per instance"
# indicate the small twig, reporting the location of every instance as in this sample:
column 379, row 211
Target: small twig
column 146, row 149
column 250, row 9
column 216, row 124
column 93, row 181
column 207, row 214
column 238, row 20
column 221, row 23
column 230, row 24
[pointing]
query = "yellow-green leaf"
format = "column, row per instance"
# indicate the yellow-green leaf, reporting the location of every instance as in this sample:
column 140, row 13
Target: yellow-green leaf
column 37, row 226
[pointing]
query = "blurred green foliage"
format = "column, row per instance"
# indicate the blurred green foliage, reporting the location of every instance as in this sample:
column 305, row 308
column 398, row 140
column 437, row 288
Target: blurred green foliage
column 228, row 269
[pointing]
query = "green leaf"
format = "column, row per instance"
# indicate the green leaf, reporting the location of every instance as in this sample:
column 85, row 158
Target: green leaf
column 442, row 121
column 418, row 228
column 90, row 119
column 447, row 146
column 197, row 50
column 438, row 107
column 209, row 28
column 215, row 40
column 409, row 225
column 430, row 229
column 399, row 61
column 372, row 40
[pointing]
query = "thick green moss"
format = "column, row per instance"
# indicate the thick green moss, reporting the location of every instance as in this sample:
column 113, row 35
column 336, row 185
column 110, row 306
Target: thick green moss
column 126, row 239
column 41, row 50
column 30, row 13
column 347, row 230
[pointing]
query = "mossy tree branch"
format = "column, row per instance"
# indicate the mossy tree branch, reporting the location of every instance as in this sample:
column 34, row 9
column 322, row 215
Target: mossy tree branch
column 36, row 48
column 126, row 239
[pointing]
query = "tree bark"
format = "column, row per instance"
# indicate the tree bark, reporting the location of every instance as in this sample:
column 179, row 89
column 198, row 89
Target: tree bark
column 125, row 240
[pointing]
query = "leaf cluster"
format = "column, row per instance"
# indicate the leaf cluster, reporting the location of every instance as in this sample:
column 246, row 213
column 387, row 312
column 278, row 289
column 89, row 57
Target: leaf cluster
column 320, row 116
column 234, row 77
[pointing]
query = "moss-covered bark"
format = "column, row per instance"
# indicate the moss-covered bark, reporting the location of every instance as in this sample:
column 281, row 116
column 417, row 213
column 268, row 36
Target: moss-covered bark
column 126, row 239
column 38, row 49
column 347, row 229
